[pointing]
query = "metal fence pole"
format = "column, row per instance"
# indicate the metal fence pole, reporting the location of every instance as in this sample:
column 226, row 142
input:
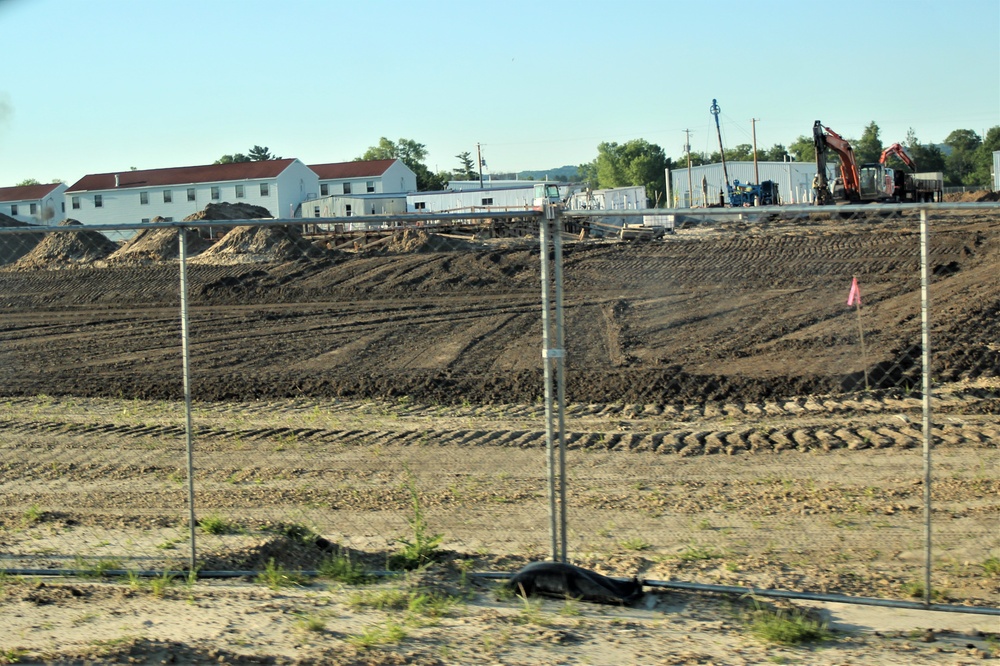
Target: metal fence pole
column 560, row 377
column 186, row 370
column 547, row 375
column 925, row 343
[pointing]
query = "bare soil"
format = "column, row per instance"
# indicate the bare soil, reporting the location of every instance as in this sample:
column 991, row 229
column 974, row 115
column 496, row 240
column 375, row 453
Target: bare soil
column 718, row 429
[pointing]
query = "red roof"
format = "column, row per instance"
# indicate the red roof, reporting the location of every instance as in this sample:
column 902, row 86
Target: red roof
column 27, row 192
column 356, row 169
column 209, row 173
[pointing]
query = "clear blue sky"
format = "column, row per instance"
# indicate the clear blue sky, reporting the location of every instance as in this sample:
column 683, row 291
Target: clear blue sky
column 103, row 85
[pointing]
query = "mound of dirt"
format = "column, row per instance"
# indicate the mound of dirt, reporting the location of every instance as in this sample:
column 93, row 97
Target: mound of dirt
column 988, row 196
column 150, row 245
column 417, row 240
column 245, row 245
column 229, row 211
column 969, row 197
column 64, row 250
column 15, row 246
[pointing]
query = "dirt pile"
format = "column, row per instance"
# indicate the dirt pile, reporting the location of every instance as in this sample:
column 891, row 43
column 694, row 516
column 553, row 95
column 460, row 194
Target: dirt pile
column 151, row 245
column 988, row 196
column 979, row 196
column 15, row 246
column 67, row 249
column 416, row 240
column 229, row 211
column 248, row 245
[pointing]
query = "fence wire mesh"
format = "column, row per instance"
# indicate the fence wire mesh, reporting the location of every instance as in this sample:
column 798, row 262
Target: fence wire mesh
column 729, row 418
column 734, row 421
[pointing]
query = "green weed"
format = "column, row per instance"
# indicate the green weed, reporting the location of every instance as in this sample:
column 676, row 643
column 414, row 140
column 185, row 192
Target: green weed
column 32, row 515
column 276, row 576
column 95, row 568
column 340, row 568
column 216, row 524
column 636, row 544
column 310, row 623
column 785, row 628
column 372, row 636
column 422, row 549
column 992, row 566
column 158, row 585
column 696, row 553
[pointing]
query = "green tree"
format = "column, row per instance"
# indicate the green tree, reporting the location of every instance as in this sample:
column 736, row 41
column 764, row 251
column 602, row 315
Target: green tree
column 803, row 149
column 869, row 147
column 635, row 162
column 230, row 159
column 982, row 175
column 412, row 154
column 467, row 169
column 927, row 157
column 743, row 152
column 776, row 153
column 960, row 165
column 261, row 154
column 27, row 181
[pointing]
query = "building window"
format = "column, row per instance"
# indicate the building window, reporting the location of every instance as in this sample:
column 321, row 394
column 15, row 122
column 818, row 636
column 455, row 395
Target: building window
column 76, row 203
column 420, row 205
column 239, row 192
column 13, row 209
column 144, row 198
column 190, row 194
column 347, row 210
column 324, row 190
column 32, row 208
column 63, row 204
column 168, row 196
column 215, row 193
column 145, row 220
column 370, row 186
column 347, row 188
column 315, row 211
column 98, row 201
column 265, row 190
column 487, row 202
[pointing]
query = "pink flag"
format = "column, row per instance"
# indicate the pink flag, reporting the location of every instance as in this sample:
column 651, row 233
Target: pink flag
column 855, row 295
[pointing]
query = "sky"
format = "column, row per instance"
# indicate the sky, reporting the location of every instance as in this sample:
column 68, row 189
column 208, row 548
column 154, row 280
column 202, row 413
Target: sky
column 96, row 86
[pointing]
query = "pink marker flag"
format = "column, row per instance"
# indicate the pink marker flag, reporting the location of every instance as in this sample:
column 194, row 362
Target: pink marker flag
column 855, row 295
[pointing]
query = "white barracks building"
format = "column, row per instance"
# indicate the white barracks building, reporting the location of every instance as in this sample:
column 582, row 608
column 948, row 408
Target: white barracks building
column 131, row 197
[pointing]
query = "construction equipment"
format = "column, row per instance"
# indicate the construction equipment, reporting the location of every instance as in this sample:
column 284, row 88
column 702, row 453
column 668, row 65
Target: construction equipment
column 869, row 182
column 747, row 194
column 764, row 194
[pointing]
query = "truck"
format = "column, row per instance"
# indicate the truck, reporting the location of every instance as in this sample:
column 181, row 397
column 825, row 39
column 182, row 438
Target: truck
column 870, row 182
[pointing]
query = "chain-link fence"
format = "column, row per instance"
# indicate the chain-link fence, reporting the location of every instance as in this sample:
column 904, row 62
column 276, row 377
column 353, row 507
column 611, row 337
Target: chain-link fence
column 729, row 418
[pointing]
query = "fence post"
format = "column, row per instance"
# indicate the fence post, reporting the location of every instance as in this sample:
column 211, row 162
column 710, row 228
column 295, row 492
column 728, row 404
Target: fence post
column 552, row 352
column 560, row 374
column 925, row 344
column 186, row 372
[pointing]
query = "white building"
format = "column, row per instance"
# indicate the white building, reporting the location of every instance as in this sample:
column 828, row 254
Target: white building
column 996, row 170
column 355, row 205
column 364, row 177
column 617, row 198
column 34, row 204
column 485, row 199
column 131, row 197
column 794, row 181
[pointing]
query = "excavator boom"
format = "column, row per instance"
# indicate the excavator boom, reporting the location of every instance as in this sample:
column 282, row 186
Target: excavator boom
column 824, row 139
column 897, row 150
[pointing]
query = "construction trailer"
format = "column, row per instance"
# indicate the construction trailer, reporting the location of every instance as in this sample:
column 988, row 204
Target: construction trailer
column 520, row 197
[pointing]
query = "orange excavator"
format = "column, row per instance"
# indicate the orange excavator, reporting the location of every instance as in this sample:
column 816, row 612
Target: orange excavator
column 825, row 139
column 897, row 150
column 869, row 182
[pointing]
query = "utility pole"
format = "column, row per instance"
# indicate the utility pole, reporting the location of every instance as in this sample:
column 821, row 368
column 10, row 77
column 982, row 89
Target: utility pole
column 479, row 159
column 756, row 173
column 715, row 110
column 687, row 149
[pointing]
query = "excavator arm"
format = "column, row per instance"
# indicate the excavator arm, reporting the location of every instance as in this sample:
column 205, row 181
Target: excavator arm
column 825, row 138
column 897, row 150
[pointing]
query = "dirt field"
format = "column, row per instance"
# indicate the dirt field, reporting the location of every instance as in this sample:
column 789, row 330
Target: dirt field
column 718, row 431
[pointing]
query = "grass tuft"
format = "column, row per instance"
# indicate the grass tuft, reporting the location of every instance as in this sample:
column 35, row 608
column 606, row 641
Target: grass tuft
column 276, row 576
column 216, row 524
column 785, row 627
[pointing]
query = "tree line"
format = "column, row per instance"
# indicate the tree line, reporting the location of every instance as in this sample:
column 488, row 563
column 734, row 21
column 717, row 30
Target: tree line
column 965, row 158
